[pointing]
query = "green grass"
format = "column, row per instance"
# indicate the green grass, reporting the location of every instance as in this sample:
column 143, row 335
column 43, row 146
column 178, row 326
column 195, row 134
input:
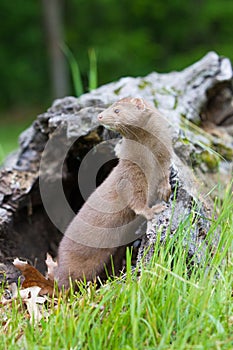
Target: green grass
column 165, row 308
column 76, row 73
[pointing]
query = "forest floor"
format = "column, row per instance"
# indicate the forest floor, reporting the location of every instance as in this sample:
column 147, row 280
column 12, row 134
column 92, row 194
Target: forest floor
column 165, row 306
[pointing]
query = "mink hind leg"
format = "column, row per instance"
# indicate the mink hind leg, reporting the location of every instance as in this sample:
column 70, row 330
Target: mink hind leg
column 78, row 262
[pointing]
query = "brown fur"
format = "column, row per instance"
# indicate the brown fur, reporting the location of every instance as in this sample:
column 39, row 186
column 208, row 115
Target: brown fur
column 141, row 175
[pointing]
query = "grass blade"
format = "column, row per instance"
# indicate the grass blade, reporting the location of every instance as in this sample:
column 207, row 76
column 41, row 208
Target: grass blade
column 75, row 70
column 93, row 69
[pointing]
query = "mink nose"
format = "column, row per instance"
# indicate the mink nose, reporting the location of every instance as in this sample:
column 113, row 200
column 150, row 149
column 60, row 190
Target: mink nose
column 100, row 117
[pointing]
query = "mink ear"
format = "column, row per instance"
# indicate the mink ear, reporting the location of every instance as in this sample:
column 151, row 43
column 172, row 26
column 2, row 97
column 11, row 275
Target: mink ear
column 139, row 103
column 125, row 100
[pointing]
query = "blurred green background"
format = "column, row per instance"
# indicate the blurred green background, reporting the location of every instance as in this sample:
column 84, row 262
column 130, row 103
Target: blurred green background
column 128, row 38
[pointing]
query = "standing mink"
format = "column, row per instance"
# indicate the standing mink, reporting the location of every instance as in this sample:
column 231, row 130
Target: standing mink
column 98, row 233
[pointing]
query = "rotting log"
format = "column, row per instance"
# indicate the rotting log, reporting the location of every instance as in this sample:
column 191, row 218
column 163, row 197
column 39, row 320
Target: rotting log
column 198, row 104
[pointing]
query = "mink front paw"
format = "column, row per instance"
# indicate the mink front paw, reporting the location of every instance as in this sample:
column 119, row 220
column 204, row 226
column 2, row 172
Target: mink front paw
column 149, row 213
column 164, row 190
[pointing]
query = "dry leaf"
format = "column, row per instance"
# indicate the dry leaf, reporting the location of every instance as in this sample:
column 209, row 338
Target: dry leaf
column 51, row 265
column 35, row 285
column 30, row 297
column 34, row 278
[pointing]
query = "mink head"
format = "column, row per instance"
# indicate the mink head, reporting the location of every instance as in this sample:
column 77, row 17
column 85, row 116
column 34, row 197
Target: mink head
column 126, row 114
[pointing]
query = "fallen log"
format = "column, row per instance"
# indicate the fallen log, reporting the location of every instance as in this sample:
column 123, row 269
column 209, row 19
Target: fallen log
column 39, row 191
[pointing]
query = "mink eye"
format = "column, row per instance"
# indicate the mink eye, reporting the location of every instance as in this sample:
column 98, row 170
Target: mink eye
column 116, row 111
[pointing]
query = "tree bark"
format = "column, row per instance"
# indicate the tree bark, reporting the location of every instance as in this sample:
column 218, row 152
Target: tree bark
column 198, row 104
column 53, row 19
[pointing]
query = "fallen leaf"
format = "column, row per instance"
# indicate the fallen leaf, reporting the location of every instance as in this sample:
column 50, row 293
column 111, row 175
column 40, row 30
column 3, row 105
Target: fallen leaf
column 30, row 297
column 51, row 265
column 34, row 278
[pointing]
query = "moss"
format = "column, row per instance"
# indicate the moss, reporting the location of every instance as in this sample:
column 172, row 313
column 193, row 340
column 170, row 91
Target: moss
column 184, row 140
column 143, row 84
column 225, row 151
column 211, row 160
column 195, row 160
column 176, row 91
column 117, row 91
column 156, row 104
column 175, row 103
column 206, row 160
